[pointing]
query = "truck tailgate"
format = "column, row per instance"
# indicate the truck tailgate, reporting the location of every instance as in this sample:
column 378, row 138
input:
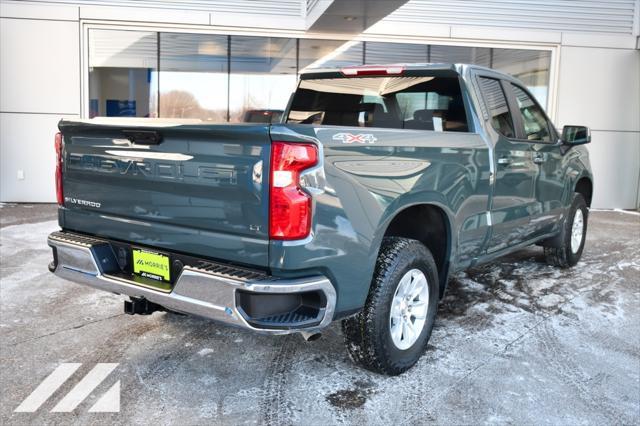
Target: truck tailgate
column 198, row 189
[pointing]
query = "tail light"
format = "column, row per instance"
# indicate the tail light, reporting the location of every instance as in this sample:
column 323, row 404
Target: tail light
column 289, row 205
column 59, row 145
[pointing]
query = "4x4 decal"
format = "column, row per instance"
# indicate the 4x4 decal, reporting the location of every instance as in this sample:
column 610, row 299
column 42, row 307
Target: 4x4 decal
column 351, row 138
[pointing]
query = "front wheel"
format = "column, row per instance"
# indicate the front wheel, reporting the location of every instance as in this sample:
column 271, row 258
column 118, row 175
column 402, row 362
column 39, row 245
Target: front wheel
column 391, row 332
column 568, row 249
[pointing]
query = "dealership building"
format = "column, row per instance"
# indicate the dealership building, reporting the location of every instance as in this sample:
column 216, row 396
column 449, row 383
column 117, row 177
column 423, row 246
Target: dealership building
column 222, row 60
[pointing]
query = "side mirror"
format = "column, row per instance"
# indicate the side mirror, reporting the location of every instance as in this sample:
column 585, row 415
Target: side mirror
column 576, row 135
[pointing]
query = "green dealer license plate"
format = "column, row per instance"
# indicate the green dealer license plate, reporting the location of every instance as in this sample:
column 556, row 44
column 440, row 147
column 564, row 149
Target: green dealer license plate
column 152, row 265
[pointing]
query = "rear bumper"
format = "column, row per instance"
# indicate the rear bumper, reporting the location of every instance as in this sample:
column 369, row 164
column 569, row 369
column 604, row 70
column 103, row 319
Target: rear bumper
column 198, row 290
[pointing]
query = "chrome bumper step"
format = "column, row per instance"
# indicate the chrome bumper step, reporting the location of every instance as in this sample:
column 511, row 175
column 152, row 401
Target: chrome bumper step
column 205, row 289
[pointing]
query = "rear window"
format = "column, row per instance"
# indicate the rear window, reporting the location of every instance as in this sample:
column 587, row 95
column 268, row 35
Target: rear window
column 421, row 103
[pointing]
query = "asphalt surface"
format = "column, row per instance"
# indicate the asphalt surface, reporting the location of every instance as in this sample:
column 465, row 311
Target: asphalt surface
column 516, row 342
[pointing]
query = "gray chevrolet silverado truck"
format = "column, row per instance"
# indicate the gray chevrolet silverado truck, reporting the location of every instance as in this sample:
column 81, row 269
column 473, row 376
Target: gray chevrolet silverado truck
column 376, row 185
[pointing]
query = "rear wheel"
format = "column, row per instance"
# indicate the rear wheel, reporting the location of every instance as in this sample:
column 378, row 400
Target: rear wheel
column 567, row 248
column 391, row 332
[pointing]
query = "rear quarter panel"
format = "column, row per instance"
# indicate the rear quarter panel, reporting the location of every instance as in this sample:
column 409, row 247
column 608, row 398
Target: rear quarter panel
column 366, row 184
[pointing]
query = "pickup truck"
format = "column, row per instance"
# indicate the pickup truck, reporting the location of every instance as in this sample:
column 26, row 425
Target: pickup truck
column 376, row 185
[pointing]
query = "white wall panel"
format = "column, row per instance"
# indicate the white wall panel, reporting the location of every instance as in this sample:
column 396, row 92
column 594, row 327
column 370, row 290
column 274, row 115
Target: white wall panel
column 39, row 66
column 599, row 88
column 615, row 159
column 272, row 7
column 617, row 41
column 139, row 14
column 26, row 144
column 614, row 16
column 505, row 34
column 257, row 20
column 421, row 29
column 22, row 9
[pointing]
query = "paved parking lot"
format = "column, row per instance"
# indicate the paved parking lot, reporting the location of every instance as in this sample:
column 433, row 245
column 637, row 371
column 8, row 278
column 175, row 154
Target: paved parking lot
column 515, row 342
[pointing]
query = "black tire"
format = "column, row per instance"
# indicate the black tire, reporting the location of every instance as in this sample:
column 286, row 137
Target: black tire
column 559, row 252
column 367, row 334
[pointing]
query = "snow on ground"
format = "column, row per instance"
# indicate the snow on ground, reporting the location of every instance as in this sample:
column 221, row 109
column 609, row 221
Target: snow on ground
column 516, row 341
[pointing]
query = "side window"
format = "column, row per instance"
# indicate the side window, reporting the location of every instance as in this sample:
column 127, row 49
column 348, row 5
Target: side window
column 498, row 109
column 536, row 127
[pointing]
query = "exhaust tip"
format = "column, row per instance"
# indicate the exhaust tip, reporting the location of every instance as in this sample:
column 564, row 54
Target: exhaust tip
column 310, row 337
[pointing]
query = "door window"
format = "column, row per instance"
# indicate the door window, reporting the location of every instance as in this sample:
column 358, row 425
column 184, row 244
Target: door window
column 496, row 101
column 536, row 127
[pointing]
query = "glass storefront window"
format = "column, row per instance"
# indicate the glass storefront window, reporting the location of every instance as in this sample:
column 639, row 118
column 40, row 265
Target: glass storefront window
column 529, row 66
column 395, row 53
column 122, row 73
column 262, row 77
column 193, row 76
column 316, row 53
column 220, row 78
column 460, row 55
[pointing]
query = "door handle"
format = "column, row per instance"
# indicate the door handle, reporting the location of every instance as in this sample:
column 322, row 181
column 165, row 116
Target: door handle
column 504, row 161
column 539, row 159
